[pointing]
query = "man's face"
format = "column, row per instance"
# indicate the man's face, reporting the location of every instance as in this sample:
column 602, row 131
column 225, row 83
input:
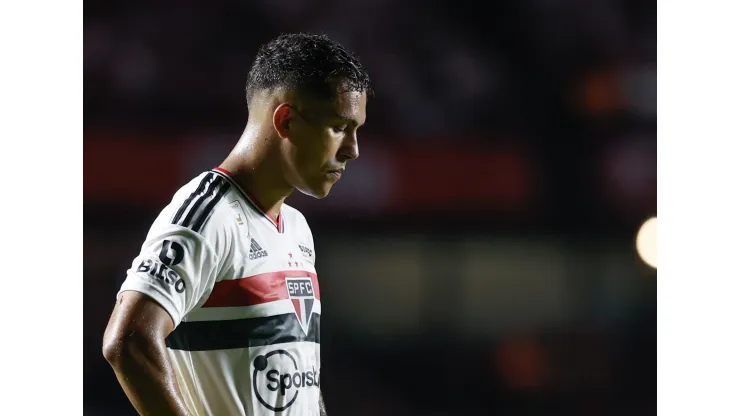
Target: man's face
column 321, row 139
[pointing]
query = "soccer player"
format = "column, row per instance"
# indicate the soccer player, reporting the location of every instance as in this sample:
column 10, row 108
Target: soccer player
column 219, row 313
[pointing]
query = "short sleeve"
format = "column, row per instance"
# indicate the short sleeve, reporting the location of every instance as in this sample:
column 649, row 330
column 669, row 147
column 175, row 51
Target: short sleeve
column 185, row 248
column 175, row 267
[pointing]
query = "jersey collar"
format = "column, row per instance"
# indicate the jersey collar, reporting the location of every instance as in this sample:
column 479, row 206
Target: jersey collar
column 252, row 201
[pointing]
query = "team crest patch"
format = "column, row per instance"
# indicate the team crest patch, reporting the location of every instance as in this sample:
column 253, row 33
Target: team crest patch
column 301, row 294
column 239, row 215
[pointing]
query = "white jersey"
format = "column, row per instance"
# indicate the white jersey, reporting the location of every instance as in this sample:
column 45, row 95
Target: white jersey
column 242, row 290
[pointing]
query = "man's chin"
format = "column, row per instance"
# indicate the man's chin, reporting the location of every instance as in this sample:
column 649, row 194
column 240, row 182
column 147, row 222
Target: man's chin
column 319, row 192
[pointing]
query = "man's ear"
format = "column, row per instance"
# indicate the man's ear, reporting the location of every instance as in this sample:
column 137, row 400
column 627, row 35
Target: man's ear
column 281, row 120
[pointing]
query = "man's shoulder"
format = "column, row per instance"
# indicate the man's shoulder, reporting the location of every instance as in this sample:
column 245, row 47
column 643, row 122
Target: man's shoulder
column 199, row 205
column 206, row 183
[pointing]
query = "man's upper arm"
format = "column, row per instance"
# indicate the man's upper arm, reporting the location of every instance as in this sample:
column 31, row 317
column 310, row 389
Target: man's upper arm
column 137, row 313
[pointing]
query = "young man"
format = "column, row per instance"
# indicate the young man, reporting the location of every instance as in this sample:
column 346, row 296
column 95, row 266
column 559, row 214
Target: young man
column 220, row 312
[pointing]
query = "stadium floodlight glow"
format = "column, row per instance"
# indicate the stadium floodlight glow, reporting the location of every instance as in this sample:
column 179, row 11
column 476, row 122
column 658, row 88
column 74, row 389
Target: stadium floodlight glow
column 647, row 242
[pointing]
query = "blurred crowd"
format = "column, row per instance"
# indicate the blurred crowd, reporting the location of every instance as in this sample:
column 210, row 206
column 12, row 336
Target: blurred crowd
column 569, row 84
column 437, row 66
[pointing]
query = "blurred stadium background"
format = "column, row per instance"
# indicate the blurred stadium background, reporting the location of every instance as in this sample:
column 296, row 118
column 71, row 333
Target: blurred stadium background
column 479, row 258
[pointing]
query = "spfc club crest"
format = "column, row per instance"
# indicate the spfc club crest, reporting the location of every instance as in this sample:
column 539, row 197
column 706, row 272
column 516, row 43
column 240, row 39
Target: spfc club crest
column 300, row 292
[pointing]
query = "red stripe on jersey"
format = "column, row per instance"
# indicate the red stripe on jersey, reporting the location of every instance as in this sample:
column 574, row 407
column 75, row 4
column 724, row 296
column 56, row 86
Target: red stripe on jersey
column 253, row 290
column 224, row 171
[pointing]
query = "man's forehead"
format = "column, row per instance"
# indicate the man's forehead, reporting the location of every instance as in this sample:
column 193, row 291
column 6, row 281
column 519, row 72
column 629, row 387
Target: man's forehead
column 350, row 103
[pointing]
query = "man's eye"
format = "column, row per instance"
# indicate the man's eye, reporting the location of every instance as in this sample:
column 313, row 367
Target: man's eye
column 339, row 129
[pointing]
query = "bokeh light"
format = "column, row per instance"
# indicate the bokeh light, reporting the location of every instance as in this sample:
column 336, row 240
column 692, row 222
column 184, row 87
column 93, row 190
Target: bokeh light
column 647, row 242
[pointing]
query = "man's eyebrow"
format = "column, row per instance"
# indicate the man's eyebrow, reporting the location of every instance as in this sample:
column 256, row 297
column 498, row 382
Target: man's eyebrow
column 346, row 119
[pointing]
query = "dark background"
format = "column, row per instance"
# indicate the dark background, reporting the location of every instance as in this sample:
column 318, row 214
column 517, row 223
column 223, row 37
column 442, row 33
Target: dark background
column 479, row 257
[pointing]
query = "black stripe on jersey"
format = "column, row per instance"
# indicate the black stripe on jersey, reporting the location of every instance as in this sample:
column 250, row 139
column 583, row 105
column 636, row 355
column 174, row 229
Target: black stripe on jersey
column 207, row 195
column 241, row 333
column 198, row 190
column 223, row 188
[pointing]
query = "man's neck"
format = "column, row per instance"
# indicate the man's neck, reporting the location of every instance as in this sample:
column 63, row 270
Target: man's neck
column 260, row 179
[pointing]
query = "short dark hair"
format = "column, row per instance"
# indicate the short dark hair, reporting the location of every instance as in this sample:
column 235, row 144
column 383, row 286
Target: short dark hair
column 304, row 62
